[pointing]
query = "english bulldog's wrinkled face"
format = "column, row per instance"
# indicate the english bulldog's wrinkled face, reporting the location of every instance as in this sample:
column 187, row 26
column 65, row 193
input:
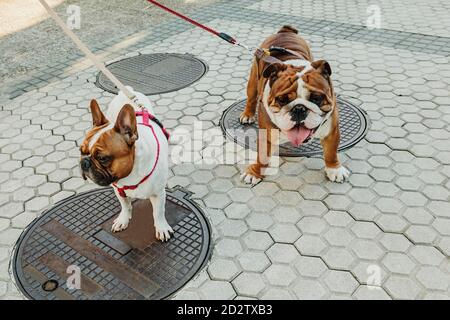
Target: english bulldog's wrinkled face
column 299, row 96
column 107, row 152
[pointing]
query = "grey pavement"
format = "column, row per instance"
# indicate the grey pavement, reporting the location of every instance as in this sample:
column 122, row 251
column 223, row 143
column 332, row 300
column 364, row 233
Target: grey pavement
column 384, row 234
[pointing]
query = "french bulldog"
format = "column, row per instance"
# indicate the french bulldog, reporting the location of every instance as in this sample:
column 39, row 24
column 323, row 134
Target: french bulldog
column 294, row 95
column 123, row 151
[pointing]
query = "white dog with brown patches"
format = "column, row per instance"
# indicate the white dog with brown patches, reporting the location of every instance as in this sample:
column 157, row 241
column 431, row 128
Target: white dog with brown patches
column 128, row 150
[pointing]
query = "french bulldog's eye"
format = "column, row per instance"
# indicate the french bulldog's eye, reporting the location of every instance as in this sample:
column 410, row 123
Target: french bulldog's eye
column 282, row 100
column 317, row 99
column 103, row 159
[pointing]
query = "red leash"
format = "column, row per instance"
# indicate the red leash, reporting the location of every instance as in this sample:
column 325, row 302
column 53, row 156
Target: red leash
column 222, row 35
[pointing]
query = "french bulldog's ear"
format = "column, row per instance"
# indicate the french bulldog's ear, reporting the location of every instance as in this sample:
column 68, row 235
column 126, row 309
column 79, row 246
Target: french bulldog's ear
column 126, row 124
column 98, row 118
column 274, row 66
column 323, row 67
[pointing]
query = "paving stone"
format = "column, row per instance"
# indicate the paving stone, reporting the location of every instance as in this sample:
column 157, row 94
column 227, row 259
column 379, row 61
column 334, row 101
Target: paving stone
column 217, row 201
column 237, row 211
column 313, row 208
column 371, row 293
column 9, row 236
column 340, row 281
column 398, row 263
column 310, row 266
column 366, row 230
column 310, row 245
column 391, row 223
column 286, row 233
column 338, row 237
column 254, row 261
column 232, row 228
column 338, row 202
column 338, row 218
column 280, row 275
column 395, row 242
column 282, row 253
column 306, row 289
column 366, row 249
column 223, row 269
column 312, row 225
column 433, row 278
column 260, row 221
column 249, row 284
column 228, row 247
column 363, row 212
column 339, row 258
column 277, row 294
column 402, row 288
column 427, row 255
column 11, row 209
column 217, row 290
column 286, row 214
column 257, row 240
column 421, row 234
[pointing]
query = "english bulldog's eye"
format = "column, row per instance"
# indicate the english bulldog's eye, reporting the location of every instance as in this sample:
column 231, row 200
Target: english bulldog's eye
column 317, row 99
column 282, row 100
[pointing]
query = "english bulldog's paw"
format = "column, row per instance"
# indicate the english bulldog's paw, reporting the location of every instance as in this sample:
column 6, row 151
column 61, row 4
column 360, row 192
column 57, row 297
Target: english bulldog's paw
column 245, row 118
column 163, row 231
column 249, row 178
column 337, row 174
column 120, row 223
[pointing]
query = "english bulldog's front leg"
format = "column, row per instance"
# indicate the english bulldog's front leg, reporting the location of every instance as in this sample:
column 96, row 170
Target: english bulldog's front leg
column 162, row 227
column 255, row 172
column 248, row 115
column 122, row 220
column 333, row 168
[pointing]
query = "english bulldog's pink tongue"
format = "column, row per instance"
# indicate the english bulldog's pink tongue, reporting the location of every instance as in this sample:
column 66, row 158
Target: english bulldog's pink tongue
column 298, row 134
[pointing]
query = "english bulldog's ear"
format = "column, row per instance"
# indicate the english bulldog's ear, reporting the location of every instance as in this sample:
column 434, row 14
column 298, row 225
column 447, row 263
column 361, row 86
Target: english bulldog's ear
column 274, row 66
column 98, row 118
column 126, row 124
column 323, row 67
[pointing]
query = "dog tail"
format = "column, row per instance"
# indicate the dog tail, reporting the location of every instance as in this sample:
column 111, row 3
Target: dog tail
column 288, row 29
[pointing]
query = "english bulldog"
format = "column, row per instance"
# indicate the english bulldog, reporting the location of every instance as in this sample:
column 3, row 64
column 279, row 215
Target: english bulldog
column 295, row 96
column 130, row 153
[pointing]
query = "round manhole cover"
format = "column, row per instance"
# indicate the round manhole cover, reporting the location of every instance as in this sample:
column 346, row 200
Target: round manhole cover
column 354, row 124
column 154, row 73
column 70, row 253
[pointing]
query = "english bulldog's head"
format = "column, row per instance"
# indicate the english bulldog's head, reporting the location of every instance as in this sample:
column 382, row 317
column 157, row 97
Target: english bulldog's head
column 299, row 97
column 107, row 152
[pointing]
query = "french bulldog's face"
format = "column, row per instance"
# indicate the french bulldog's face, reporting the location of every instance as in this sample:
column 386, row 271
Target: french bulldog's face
column 107, row 152
column 300, row 97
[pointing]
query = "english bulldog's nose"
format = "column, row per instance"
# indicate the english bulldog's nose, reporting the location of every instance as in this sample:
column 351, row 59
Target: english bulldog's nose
column 299, row 113
column 85, row 164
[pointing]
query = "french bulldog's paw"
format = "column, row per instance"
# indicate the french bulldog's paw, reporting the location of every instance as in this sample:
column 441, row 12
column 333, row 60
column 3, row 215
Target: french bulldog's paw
column 245, row 118
column 120, row 223
column 248, row 178
column 163, row 231
column 337, row 174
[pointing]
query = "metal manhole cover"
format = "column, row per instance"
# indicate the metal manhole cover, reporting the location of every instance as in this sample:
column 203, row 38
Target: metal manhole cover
column 132, row 264
column 354, row 124
column 154, row 73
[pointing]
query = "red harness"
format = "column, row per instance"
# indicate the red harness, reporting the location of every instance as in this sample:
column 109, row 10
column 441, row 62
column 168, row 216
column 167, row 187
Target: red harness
column 146, row 117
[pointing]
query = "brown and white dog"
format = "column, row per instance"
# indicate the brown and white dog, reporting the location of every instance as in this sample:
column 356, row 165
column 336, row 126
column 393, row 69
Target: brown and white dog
column 297, row 97
column 118, row 151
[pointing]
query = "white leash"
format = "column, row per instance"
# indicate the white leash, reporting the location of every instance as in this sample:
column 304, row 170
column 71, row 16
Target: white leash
column 90, row 55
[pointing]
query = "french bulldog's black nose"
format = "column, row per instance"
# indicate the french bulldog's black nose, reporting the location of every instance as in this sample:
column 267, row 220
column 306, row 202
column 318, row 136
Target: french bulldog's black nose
column 299, row 113
column 85, row 164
